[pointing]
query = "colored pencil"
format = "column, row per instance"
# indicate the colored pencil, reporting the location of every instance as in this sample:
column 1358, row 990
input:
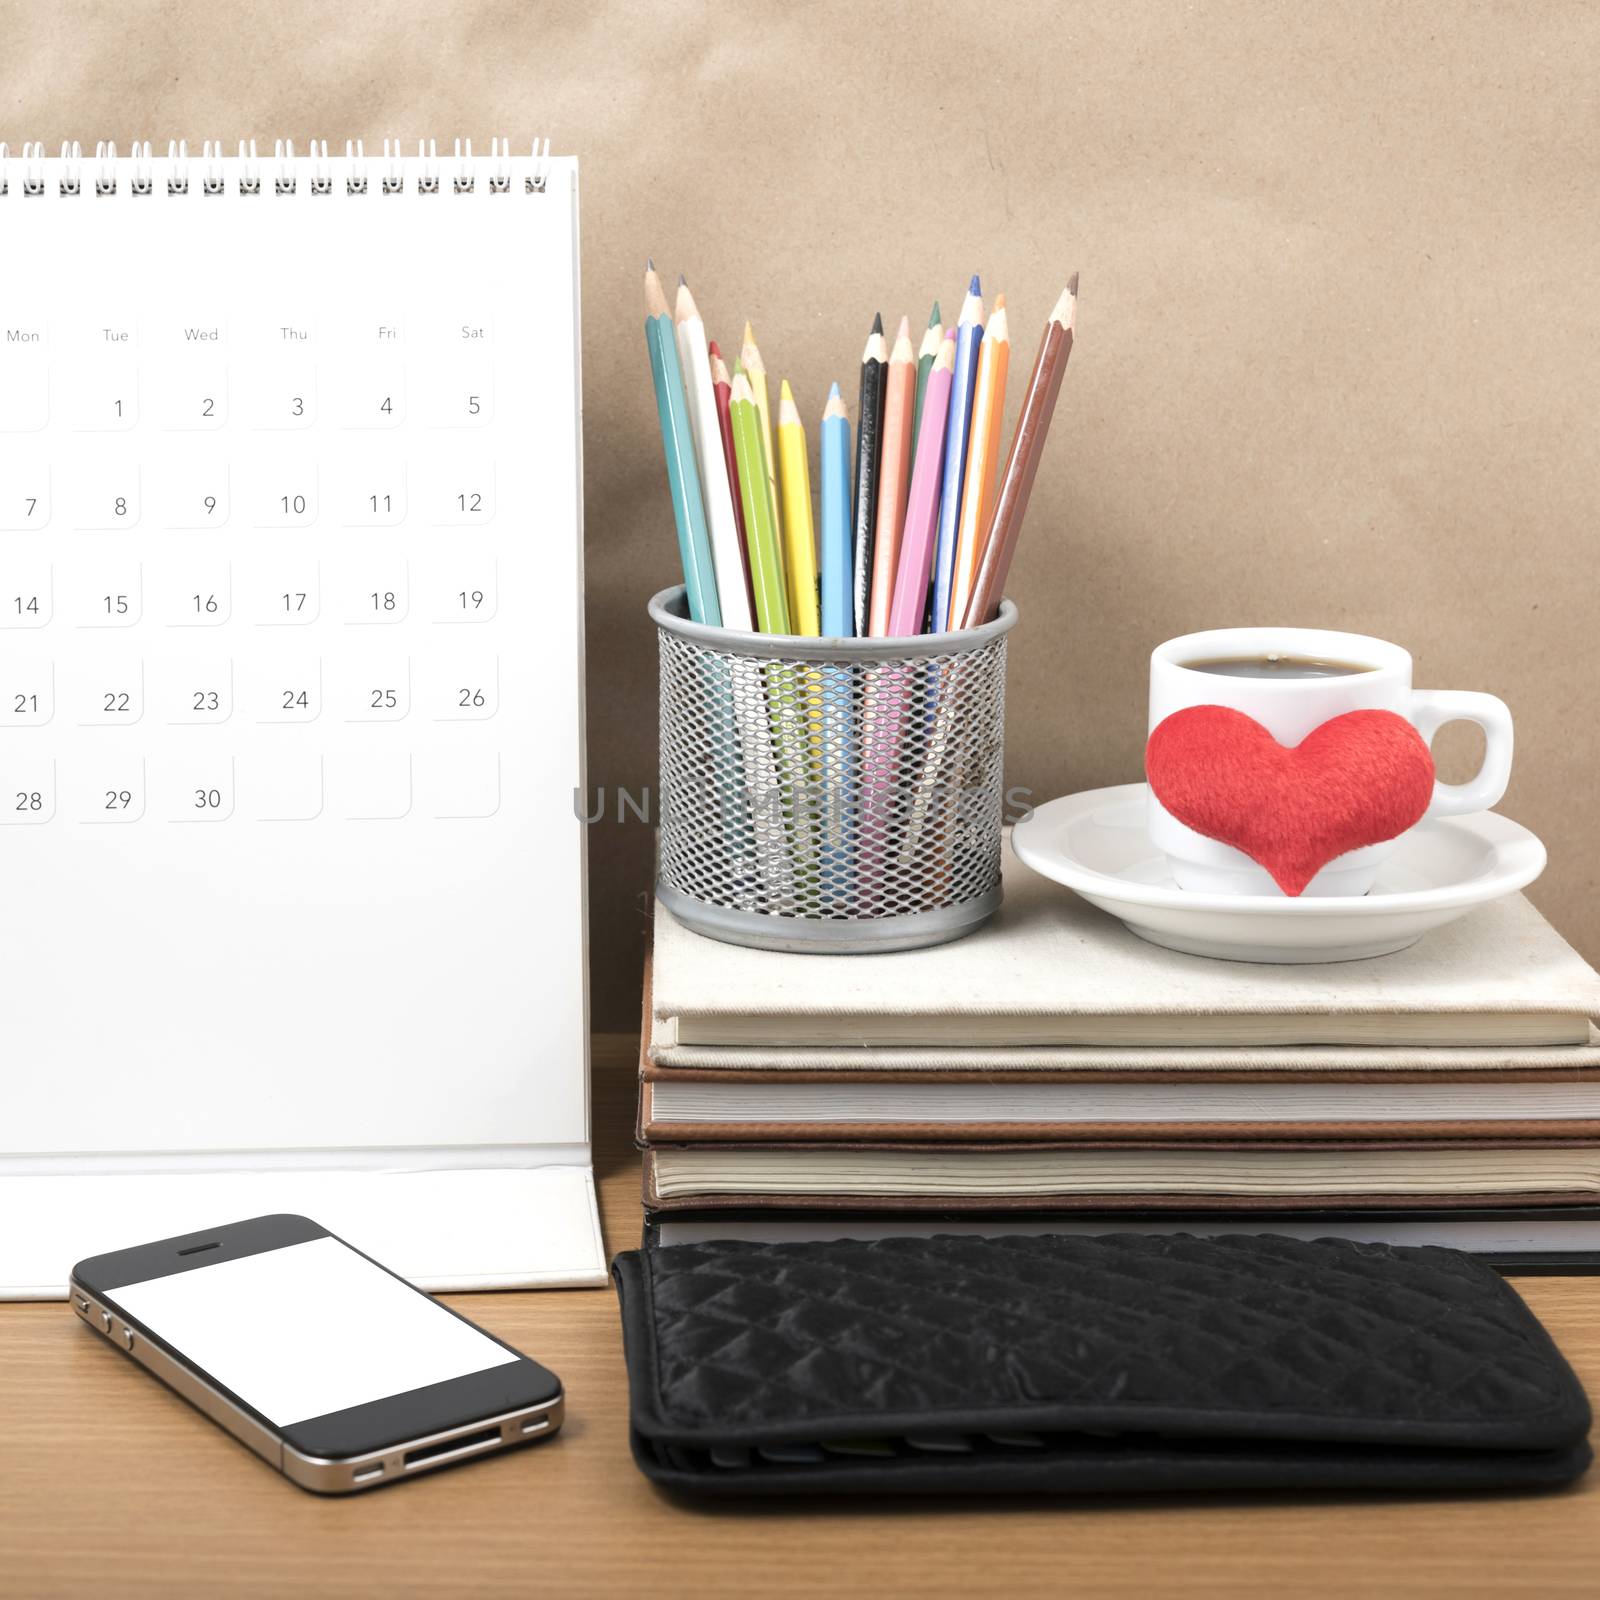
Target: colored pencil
column 969, row 338
column 888, row 706
column 926, row 351
column 869, row 443
column 894, row 476
column 755, row 369
column 766, row 566
column 721, row 522
column 983, row 459
column 837, row 553
column 677, row 442
column 1022, row 465
column 922, row 506
column 799, row 532
column 837, row 622
column 722, row 387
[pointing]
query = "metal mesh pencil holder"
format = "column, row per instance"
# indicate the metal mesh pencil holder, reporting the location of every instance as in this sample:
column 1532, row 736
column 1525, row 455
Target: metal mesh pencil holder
column 830, row 795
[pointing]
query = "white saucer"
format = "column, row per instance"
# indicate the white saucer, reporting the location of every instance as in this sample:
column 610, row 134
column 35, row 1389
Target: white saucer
column 1095, row 843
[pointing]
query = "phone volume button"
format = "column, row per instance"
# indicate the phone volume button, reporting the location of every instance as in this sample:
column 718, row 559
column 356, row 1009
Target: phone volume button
column 127, row 1337
column 105, row 1320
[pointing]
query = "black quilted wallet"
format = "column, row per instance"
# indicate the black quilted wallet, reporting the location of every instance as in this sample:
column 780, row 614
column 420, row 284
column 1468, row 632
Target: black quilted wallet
column 1089, row 1365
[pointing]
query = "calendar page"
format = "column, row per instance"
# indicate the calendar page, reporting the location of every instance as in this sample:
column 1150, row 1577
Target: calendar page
column 290, row 660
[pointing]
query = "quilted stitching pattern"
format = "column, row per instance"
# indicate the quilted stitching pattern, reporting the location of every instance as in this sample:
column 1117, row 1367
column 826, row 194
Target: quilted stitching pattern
column 755, row 1334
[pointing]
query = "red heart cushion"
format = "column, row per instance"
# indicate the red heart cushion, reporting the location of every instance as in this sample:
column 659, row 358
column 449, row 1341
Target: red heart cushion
column 1358, row 779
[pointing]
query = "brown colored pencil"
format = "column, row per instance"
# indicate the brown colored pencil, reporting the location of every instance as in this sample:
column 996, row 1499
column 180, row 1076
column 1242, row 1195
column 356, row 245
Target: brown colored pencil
column 1022, row 465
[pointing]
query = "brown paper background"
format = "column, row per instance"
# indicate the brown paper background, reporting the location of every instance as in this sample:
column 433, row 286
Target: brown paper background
column 1339, row 334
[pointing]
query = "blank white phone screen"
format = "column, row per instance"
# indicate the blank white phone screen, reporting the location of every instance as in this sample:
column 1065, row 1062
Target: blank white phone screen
column 308, row 1329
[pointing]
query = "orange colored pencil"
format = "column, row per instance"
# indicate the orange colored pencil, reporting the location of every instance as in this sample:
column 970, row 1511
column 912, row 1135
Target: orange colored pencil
column 983, row 460
column 894, row 477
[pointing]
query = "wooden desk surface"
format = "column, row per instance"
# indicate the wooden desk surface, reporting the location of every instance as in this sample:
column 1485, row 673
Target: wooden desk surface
column 111, row 1485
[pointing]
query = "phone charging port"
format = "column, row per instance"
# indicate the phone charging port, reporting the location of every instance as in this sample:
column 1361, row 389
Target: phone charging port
column 451, row 1447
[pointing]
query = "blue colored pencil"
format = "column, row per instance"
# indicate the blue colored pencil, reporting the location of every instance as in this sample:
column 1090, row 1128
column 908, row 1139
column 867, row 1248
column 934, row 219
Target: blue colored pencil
column 969, row 335
column 838, row 619
column 677, row 442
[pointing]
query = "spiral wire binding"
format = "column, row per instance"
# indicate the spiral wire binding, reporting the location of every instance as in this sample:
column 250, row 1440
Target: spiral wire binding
column 541, row 168
column 428, row 160
column 322, row 174
column 394, row 180
column 499, row 166
column 72, row 168
column 211, row 172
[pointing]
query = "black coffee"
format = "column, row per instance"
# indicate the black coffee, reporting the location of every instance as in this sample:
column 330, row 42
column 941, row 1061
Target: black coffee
column 1275, row 665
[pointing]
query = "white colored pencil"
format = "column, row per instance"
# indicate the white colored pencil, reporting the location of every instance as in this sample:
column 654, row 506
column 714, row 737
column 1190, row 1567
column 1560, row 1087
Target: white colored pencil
column 721, row 522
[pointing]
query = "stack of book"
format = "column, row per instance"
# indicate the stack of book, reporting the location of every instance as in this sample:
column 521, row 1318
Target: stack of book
column 1054, row 1067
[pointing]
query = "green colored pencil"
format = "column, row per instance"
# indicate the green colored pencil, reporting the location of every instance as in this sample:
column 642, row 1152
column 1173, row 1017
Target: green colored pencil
column 766, row 560
column 926, row 351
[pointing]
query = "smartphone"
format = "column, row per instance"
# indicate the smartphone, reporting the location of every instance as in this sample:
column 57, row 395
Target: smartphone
column 330, row 1367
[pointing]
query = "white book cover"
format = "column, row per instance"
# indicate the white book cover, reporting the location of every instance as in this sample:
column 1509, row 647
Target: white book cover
column 1051, row 972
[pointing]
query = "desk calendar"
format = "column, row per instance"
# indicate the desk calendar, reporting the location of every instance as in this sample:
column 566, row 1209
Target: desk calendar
column 291, row 707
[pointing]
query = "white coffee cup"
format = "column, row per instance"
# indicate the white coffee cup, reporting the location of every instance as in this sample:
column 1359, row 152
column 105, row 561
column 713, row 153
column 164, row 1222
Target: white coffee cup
column 1289, row 708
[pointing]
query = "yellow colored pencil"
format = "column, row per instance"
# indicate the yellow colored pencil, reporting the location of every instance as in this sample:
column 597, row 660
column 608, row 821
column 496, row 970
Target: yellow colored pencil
column 756, row 371
column 983, row 460
column 799, row 533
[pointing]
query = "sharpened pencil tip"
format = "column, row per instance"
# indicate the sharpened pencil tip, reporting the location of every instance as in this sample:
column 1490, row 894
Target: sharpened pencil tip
column 904, row 330
column 655, row 297
column 937, row 317
column 683, row 282
column 974, row 287
column 1000, row 301
column 713, row 351
column 649, row 263
column 833, row 393
column 749, row 333
column 784, row 391
column 877, row 323
column 1072, row 285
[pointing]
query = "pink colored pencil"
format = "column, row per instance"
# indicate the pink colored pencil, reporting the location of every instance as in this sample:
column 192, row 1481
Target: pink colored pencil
column 922, row 504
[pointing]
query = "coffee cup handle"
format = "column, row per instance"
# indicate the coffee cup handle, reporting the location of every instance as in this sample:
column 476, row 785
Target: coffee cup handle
column 1431, row 709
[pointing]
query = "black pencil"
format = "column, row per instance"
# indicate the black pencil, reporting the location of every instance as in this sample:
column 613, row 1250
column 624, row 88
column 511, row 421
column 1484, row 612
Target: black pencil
column 869, row 447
